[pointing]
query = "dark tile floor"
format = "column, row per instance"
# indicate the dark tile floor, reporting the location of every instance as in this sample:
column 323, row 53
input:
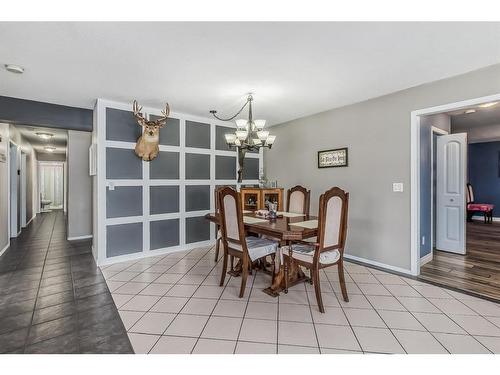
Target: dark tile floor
column 53, row 297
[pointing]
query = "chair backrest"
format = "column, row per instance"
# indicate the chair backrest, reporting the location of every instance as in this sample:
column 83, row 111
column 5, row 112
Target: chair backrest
column 298, row 200
column 231, row 216
column 470, row 194
column 332, row 219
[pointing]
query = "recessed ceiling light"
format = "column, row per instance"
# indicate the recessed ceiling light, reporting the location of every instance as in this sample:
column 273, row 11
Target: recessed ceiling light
column 470, row 111
column 49, row 148
column 487, row 105
column 44, row 135
column 14, row 68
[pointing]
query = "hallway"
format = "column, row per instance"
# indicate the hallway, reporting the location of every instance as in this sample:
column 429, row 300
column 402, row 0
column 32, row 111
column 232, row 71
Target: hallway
column 53, row 298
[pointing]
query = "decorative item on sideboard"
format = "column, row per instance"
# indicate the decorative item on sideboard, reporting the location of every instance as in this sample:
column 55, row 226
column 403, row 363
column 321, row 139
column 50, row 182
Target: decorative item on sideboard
column 147, row 144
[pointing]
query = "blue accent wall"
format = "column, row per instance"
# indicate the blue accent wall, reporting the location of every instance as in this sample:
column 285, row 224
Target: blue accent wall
column 483, row 173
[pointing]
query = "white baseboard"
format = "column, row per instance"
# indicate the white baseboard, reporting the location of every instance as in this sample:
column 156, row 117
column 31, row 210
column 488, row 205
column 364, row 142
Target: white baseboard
column 86, row 237
column 426, row 258
column 153, row 253
column 30, row 220
column 377, row 264
column 5, row 248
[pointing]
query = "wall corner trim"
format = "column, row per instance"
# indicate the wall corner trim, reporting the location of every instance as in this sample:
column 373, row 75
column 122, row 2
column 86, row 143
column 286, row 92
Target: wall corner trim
column 426, row 258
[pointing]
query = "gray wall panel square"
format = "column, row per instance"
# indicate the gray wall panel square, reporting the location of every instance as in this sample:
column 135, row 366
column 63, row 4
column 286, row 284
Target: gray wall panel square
column 197, row 134
column 225, row 167
column 124, row 201
column 197, row 166
column 122, row 164
column 165, row 166
column 163, row 199
column 121, row 126
column 251, row 170
column 164, row 233
column 197, row 197
column 169, row 134
column 123, row 239
column 197, row 229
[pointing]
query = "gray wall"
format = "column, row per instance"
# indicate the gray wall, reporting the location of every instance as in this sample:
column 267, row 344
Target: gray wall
column 441, row 121
column 479, row 134
column 377, row 133
column 79, row 184
column 29, row 112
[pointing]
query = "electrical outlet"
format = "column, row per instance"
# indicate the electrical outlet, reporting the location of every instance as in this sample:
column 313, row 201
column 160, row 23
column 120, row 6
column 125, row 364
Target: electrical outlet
column 397, row 187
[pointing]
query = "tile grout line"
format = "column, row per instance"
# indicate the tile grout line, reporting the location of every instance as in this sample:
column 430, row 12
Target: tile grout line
column 449, row 317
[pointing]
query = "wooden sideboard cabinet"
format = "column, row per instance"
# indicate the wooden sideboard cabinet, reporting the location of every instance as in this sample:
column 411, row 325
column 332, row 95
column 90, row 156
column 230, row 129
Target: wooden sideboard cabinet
column 253, row 199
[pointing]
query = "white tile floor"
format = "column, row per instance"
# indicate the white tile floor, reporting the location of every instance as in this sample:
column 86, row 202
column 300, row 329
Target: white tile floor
column 173, row 304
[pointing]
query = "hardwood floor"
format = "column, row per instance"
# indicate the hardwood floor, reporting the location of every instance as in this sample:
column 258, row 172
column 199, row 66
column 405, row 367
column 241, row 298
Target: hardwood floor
column 478, row 271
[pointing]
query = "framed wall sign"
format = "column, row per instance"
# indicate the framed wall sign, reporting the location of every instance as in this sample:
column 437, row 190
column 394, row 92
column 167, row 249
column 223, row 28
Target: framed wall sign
column 332, row 158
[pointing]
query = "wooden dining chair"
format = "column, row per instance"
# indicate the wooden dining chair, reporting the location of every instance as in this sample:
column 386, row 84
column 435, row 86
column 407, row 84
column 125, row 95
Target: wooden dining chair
column 247, row 249
column 328, row 250
column 218, row 238
column 297, row 200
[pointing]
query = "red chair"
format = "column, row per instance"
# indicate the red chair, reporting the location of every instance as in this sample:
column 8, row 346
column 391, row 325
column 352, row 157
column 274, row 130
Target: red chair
column 472, row 207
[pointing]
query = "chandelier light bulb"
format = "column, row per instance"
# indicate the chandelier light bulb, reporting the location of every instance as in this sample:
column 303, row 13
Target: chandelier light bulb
column 262, row 134
column 230, row 138
column 259, row 124
column 241, row 134
column 241, row 123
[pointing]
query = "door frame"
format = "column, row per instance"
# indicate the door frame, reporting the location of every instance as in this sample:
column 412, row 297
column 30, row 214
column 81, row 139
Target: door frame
column 439, row 131
column 24, row 189
column 415, row 167
column 10, row 211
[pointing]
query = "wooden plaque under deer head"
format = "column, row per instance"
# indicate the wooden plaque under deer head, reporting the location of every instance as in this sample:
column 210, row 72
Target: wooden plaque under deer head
column 147, row 144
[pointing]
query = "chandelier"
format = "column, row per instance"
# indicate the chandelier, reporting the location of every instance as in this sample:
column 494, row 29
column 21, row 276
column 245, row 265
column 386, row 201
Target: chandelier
column 248, row 136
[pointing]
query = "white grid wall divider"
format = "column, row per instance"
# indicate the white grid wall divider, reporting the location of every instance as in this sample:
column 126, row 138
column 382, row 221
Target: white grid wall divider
column 146, row 182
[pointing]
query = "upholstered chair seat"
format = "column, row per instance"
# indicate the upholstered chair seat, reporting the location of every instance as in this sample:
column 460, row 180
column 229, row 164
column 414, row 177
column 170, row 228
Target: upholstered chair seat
column 258, row 247
column 305, row 253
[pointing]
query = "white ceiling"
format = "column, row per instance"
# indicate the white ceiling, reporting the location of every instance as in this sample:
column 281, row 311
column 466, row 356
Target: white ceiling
column 294, row 69
column 59, row 139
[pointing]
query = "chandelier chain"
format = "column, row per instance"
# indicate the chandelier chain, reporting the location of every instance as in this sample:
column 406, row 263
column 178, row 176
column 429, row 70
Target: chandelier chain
column 230, row 118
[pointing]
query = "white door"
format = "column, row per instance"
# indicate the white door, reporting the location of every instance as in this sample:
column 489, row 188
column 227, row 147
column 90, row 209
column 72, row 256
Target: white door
column 451, row 155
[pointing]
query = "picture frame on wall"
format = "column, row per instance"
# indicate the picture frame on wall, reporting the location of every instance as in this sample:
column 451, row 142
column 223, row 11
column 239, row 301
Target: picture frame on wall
column 334, row 158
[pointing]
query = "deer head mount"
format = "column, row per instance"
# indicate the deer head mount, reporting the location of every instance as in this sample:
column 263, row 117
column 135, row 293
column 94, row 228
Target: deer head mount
column 147, row 144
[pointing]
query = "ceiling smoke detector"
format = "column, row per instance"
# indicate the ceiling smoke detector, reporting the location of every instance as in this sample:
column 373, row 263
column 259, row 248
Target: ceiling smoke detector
column 14, row 68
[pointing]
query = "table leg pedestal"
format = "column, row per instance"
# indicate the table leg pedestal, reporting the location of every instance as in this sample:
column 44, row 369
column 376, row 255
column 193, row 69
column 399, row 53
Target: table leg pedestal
column 295, row 276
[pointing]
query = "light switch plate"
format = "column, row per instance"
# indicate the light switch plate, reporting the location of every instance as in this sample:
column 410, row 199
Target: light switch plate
column 397, row 187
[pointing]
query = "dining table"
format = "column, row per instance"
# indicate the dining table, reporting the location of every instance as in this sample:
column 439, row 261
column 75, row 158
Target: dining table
column 285, row 228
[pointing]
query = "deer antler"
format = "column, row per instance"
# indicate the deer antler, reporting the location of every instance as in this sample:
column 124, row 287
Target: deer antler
column 163, row 120
column 136, row 109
